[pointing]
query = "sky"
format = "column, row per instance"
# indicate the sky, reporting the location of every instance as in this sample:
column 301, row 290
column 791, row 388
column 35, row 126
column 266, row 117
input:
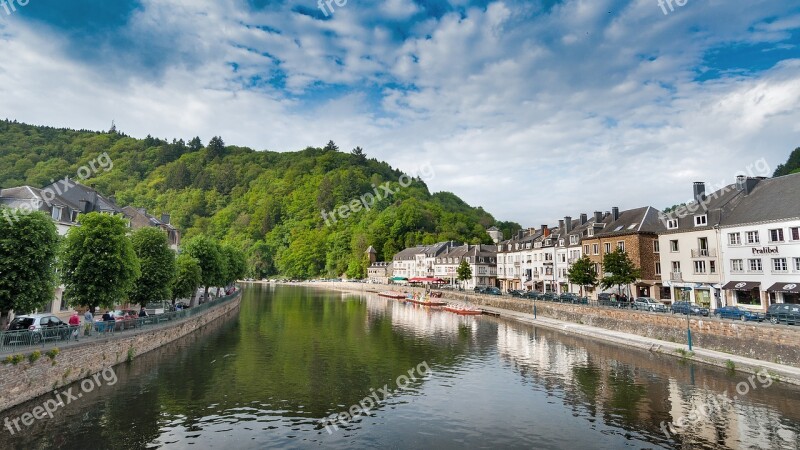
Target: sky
column 534, row 110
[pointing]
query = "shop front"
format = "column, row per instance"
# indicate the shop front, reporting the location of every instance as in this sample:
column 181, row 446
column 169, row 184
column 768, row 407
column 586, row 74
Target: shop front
column 784, row 293
column 745, row 293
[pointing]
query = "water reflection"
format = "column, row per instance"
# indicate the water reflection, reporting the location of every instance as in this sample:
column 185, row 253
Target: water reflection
column 295, row 356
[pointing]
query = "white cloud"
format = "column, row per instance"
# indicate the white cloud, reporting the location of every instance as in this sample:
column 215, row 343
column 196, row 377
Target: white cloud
column 532, row 116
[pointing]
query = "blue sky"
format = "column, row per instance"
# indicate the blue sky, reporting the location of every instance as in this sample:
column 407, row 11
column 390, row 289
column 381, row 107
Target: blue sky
column 532, row 109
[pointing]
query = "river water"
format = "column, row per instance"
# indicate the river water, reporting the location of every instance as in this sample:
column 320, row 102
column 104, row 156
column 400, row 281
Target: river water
column 296, row 357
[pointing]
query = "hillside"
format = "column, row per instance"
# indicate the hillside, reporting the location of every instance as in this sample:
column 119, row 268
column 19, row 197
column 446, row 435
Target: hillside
column 267, row 203
column 792, row 164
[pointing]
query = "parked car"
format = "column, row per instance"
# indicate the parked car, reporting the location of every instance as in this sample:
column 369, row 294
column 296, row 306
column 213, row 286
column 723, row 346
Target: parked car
column 649, row 304
column 783, row 312
column 737, row 312
column 516, row 293
column 688, row 308
column 568, row 297
column 35, row 328
column 479, row 289
column 613, row 300
column 533, row 295
column 549, row 296
column 493, row 291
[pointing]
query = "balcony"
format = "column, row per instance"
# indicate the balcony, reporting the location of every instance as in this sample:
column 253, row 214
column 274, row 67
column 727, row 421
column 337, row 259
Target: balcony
column 704, row 253
column 676, row 276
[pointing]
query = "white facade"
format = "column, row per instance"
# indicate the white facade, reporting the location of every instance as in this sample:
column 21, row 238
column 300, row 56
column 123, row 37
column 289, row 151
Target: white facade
column 764, row 253
column 691, row 266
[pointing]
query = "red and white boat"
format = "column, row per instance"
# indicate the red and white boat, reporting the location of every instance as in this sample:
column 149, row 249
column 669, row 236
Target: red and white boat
column 425, row 301
column 463, row 310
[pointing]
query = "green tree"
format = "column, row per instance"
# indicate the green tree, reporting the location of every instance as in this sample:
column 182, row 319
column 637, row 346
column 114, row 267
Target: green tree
column 464, row 272
column 188, row 277
column 216, row 147
column 98, row 263
column 359, row 154
column 235, row 265
column 28, row 245
column 331, row 147
column 621, row 270
column 582, row 273
column 792, row 164
column 157, row 263
column 208, row 254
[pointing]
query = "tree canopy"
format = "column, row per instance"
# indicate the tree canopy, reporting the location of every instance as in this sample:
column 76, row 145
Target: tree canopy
column 98, row 263
column 28, row 244
column 620, row 269
column 792, row 164
column 157, row 264
column 188, row 277
column 582, row 273
column 464, row 272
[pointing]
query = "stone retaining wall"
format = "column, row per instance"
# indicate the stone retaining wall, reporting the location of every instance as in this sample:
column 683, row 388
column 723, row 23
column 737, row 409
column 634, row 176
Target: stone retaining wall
column 28, row 380
column 763, row 341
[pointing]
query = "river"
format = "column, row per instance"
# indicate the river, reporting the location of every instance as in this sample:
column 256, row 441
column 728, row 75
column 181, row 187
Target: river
column 297, row 361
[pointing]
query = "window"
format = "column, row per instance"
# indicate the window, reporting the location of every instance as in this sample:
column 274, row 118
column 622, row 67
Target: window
column 779, row 265
column 607, row 247
column 699, row 267
column 573, row 239
column 560, row 242
column 656, row 247
column 676, row 266
column 596, row 249
column 795, row 233
column 712, row 267
column 658, row 268
column 590, row 232
column 797, row 264
column 672, row 224
column 737, row 265
column 776, row 235
column 621, row 245
column 56, row 214
column 673, row 245
column 586, row 249
column 734, row 239
column 755, row 265
column 701, row 221
column 752, row 237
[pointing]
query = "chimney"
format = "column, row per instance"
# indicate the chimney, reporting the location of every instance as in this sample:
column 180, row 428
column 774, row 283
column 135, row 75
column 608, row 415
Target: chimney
column 615, row 212
column 584, row 219
column 568, row 221
column 598, row 217
column 606, row 214
column 561, row 226
column 520, row 233
column 740, row 182
column 750, row 184
column 699, row 191
column 545, row 231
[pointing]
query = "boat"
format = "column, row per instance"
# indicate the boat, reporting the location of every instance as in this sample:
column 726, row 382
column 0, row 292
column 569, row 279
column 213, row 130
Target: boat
column 463, row 310
column 392, row 294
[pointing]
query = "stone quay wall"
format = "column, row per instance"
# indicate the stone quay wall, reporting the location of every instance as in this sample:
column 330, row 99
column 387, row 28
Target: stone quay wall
column 28, row 379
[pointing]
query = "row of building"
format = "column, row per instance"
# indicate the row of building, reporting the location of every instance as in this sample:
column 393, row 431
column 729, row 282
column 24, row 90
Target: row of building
column 738, row 245
column 63, row 200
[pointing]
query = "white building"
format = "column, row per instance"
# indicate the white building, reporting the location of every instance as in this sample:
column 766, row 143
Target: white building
column 760, row 242
column 482, row 260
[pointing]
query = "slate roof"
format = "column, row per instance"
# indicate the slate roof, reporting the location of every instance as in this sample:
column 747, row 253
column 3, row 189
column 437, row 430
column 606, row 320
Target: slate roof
column 771, row 199
column 637, row 220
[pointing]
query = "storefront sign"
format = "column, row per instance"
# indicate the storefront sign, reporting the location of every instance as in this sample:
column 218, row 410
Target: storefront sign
column 765, row 250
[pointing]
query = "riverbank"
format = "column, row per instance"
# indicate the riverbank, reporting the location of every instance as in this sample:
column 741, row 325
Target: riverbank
column 36, row 373
column 725, row 336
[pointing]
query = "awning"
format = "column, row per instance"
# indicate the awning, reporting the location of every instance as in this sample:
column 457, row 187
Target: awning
column 399, row 279
column 742, row 285
column 788, row 288
column 528, row 283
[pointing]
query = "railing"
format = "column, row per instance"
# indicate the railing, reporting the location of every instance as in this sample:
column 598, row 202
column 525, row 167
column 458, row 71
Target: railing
column 676, row 276
column 13, row 341
column 704, row 253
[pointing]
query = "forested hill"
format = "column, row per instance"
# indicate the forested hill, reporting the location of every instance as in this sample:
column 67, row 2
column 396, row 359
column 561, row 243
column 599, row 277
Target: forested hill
column 792, row 164
column 267, row 203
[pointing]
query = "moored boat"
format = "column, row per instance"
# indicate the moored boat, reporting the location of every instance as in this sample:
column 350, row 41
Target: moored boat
column 463, row 310
column 392, row 294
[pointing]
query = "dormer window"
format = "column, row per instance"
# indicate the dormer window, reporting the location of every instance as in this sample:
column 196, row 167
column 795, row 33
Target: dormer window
column 701, row 221
column 573, row 239
column 560, row 242
column 590, row 232
column 672, row 224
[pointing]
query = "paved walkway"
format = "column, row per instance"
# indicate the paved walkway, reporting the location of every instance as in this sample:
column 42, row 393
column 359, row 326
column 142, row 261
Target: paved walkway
column 785, row 373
